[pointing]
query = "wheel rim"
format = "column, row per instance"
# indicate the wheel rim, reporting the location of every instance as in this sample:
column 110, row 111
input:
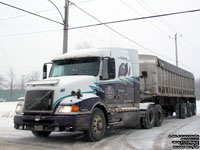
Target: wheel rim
column 98, row 125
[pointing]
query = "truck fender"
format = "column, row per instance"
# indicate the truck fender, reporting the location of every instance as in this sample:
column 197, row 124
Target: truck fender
column 100, row 105
column 103, row 107
column 145, row 106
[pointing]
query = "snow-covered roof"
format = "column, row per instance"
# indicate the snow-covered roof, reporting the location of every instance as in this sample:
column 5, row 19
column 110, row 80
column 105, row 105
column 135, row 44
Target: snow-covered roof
column 98, row 52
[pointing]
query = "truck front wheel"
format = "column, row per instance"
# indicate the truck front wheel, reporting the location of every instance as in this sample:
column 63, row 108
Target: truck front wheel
column 41, row 133
column 97, row 127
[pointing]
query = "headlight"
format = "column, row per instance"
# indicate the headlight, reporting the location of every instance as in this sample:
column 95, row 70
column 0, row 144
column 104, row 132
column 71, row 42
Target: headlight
column 19, row 109
column 67, row 109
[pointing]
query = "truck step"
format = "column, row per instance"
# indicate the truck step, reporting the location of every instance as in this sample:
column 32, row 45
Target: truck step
column 116, row 124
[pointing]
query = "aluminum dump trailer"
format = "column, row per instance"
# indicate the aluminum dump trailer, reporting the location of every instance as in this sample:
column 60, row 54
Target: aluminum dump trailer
column 165, row 84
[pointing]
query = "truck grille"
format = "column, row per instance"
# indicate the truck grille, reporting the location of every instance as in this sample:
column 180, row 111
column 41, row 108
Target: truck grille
column 38, row 101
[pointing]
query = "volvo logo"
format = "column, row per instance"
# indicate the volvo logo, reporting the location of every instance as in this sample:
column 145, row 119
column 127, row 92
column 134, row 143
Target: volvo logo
column 37, row 118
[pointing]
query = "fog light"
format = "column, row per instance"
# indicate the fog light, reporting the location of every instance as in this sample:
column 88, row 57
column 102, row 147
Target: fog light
column 20, row 127
column 57, row 129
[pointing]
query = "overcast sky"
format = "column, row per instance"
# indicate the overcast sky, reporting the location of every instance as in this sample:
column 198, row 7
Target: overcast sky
column 26, row 41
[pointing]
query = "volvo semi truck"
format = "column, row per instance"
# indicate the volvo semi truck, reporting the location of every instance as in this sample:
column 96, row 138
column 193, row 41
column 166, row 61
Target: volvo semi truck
column 93, row 90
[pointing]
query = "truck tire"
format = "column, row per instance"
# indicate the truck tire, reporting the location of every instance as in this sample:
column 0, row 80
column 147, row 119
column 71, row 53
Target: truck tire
column 41, row 133
column 97, row 127
column 183, row 110
column 148, row 121
column 189, row 109
column 158, row 115
column 178, row 113
column 194, row 109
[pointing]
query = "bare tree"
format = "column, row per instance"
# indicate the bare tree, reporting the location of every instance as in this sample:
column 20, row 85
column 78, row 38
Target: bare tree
column 33, row 76
column 22, row 82
column 84, row 45
column 9, row 82
column 24, row 79
column 2, row 82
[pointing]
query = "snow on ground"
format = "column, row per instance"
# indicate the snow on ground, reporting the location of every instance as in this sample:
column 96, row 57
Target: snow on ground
column 7, row 109
column 7, row 112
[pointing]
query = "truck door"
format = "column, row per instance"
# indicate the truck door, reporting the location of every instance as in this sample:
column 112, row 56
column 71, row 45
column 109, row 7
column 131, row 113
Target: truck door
column 108, row 82
column 125, row 84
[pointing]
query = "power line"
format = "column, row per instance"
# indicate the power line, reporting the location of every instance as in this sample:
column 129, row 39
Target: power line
column 152, row 11
column 84, row 2
column 28, row 33
column 18, row 16
column 5, row 56
column 57, row 10
column 32, row 13
column 128, row 6
column 132, row 19
column 136, row 43
column 185, row 40
column 96, row 37
column 189, row 67
column 131, row 39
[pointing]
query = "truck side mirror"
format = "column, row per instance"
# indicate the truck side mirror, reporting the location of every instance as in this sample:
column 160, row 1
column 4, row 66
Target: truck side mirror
column 108, row 69
column 45, row 70
column 44, row 76
column 111, row 68
column 104, row 74
column 144, row 74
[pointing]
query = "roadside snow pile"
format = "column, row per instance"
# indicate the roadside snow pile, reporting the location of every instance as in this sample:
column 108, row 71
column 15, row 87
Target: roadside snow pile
column 7, row 110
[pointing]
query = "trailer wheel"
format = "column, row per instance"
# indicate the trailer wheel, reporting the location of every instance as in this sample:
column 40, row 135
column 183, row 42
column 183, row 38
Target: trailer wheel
column 178, row 114
column 194, row 109
column 97, row 127
column 189, row 109
column 41, row 133
column 148, row 121
column 158, row 115
column 183, row 110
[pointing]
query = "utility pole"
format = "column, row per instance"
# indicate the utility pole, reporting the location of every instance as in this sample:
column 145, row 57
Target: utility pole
column 176, row 47
column 65, row 29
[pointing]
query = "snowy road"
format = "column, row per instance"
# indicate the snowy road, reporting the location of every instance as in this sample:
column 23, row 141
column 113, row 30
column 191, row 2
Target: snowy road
column 120, row 139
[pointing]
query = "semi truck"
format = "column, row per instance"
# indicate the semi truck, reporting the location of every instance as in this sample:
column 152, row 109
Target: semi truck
column 93, row 90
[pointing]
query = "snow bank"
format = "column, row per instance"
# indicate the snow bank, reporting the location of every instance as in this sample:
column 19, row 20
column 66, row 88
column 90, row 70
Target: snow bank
column 7, row 110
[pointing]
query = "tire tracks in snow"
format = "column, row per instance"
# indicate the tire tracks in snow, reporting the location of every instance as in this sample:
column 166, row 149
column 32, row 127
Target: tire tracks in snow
column 162, row 142
column 116, row 140
column 9, row 145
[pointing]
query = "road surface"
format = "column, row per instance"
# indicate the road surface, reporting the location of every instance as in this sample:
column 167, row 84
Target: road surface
column 119, row 139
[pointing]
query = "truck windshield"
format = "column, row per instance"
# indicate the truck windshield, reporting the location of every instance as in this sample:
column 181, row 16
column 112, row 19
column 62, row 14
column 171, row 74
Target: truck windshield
column 76, row 66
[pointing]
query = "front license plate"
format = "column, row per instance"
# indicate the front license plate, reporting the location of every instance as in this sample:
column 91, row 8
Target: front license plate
column 39, row 127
